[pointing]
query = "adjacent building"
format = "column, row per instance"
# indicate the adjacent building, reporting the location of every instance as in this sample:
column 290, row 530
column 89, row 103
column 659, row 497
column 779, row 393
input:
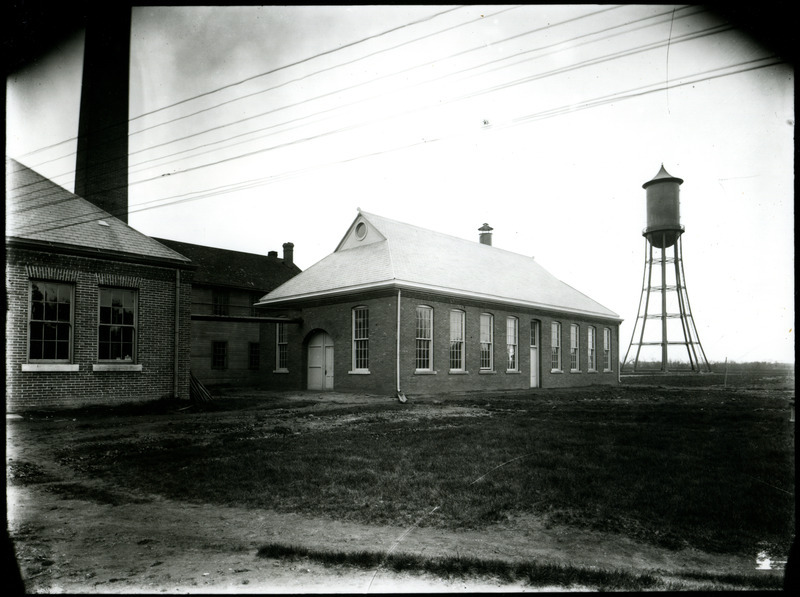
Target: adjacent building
column 97, row 313
column 226, row 327
column 401, row 309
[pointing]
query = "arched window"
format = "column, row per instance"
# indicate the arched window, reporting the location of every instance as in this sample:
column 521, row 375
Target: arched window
column 361, row 339
column 487, row 342
column 457, row 321
column 424, row 339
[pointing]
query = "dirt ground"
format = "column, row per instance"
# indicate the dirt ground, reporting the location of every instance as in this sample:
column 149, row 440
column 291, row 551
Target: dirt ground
column 154, row 545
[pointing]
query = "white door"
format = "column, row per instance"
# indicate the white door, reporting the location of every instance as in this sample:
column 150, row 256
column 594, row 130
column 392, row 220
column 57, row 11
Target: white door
column 534, row 354
column 320, row 362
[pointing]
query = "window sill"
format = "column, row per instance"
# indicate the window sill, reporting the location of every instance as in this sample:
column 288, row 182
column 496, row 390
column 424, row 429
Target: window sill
column 116, row 367
column 575, row 371
column 49, row 367
column 359, row 372
column 457, row 372
column 512, row 372
column 424, row 372
column 284, row 371
column 487, row 372
column 556, row 371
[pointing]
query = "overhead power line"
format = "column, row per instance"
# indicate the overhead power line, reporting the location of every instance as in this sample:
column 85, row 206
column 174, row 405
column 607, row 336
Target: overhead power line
column 544, row 114
column 590, row 62
column 571, row 41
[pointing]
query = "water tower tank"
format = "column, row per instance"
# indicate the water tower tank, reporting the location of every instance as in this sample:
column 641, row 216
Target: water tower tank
column 663, row 209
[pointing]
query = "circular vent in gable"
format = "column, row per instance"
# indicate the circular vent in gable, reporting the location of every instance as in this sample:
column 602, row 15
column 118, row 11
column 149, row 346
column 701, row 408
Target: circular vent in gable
column 361, row 231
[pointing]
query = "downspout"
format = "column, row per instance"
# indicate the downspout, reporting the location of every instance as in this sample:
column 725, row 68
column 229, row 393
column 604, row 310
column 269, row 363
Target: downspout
column 176, row 376
column 400, row 396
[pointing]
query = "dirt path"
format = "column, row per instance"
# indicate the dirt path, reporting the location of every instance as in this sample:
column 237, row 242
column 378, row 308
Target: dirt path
column 157, row 545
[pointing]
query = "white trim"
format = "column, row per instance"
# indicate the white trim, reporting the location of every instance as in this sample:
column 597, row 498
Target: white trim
column 116, row 367
column 49, row 367
column 394, row 282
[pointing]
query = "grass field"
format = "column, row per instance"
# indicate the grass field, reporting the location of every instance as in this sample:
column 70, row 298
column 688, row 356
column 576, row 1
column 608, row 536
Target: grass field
column 711, row 468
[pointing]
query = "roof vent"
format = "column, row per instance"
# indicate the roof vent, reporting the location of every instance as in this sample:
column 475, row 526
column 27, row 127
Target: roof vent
column 486, row 234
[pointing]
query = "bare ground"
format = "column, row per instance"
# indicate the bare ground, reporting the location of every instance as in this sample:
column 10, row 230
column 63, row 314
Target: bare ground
column 149, row 544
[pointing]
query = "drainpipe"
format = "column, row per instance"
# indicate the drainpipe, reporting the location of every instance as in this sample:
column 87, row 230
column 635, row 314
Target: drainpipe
column 176, row 376
column 400, row 396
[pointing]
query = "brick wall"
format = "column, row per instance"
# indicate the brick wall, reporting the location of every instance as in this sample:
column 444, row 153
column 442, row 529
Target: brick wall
column 155, row 349
column 335, row 319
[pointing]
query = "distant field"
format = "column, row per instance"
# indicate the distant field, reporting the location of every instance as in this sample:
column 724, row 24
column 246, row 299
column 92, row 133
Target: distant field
column 737, row 377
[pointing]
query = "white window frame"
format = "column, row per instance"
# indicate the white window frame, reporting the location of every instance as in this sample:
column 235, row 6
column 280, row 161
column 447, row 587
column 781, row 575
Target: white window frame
column 487, row 339
column 591, row 347
column 281, row 348
column 134, row 326
column 574, row 347
column 457, row 353
column 360, row 339
column 555, row 346
column 512, row 344
column 31, row 321
column 423, row 339
column 607, row 352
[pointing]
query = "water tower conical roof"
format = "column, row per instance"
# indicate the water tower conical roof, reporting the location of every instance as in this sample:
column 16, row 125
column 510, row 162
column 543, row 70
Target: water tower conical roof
column 662, row 176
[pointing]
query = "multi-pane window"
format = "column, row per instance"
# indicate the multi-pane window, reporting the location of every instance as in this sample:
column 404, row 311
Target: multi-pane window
column 219, row 355
column 487, row 340
column 254, row 354
column 592, row 347
column 50, row 321
column 457, row 321
column 282, row 345
column 574, row 347
column 606, row 349
column 534, row 333
column 424, row 337
column 117, row 326
column 512, row 340
column 555, row 346
column 220, row 300
column 361, row 339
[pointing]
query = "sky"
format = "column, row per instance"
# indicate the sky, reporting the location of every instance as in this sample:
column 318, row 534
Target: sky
column 255, row 126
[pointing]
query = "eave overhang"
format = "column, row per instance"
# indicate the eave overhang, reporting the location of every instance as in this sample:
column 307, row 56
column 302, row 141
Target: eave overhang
column 395, row 284
column 105, row 254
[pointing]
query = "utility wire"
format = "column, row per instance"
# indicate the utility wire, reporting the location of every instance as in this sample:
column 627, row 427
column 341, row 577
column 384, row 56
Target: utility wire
column 561, row 43
column 596, row 102
column 468, row 96
column 263, row 74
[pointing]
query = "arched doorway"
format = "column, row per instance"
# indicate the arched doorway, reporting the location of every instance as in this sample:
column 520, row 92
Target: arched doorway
column 320, row 362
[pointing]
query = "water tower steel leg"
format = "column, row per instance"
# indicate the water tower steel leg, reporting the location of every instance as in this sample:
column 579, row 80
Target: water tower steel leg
column 687, row 334
column 664, row 351
column 691, row 319
column 638, row 312
column 648, row 264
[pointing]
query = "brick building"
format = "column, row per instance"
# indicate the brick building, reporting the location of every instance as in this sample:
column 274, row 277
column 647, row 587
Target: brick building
column 96, row 311
column 226, row 328
column 401, row 309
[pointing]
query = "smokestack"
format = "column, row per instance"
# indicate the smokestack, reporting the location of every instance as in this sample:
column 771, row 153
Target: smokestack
column 101, row 167
column 288, row 253
column 486, row 234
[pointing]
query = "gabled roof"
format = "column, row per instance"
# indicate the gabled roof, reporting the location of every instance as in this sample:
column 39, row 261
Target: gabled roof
column 223, row 267
column 41, row 211
column 378, row 252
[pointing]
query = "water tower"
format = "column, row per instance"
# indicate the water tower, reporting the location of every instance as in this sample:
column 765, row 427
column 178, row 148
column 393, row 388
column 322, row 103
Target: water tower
column 665, row 316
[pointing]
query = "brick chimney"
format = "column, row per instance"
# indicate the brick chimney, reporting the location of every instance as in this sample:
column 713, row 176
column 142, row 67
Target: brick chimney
column 288, row 253
column 486, row 234
column 101, row 168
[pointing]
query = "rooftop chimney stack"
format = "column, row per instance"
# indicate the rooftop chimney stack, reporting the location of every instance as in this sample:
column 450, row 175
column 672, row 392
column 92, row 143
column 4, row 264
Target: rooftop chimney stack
column 288, row 253
column 101, row 167
column 486, row 234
